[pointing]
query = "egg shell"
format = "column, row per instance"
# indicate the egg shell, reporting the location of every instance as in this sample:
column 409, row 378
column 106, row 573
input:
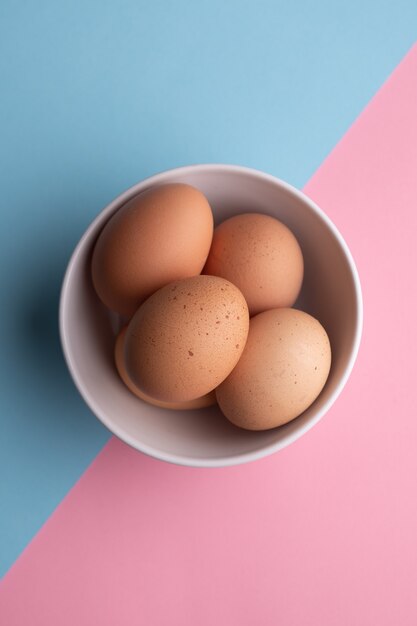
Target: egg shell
column 162, row 234
column 199, row 403
column 186, row 338
column 281, row 372
column 261, row 256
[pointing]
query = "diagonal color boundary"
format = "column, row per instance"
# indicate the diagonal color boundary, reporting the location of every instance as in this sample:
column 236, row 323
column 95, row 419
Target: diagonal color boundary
column 321, row 533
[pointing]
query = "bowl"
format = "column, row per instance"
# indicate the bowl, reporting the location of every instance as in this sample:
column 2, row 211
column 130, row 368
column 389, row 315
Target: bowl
column 204, row 438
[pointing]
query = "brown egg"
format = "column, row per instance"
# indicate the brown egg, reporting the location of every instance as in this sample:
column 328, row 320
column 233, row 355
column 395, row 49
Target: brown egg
column 199, row 403
column 186, row 338
column 281, row 372
column 162, row 234
column 261, row 256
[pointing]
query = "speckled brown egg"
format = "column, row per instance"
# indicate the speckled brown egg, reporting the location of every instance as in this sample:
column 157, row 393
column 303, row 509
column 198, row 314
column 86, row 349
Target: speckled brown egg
column 208, row 400
column 259, row 255
column 186, row 338
column 162, row 234
column 281, row 372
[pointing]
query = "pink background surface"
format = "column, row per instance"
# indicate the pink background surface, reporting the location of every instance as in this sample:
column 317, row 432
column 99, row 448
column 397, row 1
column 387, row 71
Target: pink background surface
column 323, row 532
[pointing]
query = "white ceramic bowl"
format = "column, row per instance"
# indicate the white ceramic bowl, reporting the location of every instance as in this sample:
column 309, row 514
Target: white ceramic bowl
column 331, row 292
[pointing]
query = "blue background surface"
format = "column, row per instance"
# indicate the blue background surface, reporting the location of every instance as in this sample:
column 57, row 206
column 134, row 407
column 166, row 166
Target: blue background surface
column 97, row 95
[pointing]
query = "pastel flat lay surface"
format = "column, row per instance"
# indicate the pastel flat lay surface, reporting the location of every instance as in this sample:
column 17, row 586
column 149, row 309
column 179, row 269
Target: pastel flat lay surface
column 96, row 98
column 324, row 531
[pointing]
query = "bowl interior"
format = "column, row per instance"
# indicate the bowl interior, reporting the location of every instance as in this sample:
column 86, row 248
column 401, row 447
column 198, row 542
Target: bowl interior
column 204, row 437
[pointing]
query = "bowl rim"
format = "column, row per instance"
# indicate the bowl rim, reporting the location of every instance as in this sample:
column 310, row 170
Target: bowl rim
column 224, row 460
